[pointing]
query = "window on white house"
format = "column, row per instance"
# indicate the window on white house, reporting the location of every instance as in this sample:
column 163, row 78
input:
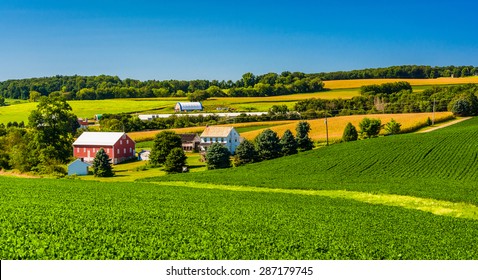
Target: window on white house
column 235, row 140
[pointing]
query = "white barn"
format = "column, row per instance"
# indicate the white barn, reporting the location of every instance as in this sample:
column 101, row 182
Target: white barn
column 226, row 135
column 188, row 106
column 78, row 167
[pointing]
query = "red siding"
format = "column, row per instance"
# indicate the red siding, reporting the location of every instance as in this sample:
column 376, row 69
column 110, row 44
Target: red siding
column 88, row 152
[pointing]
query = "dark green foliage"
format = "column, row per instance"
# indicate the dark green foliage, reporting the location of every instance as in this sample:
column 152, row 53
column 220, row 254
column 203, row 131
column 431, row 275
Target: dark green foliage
column 386, row 88
column 102, row 164
column 350, row 133
column 2, row 101
column 175, row 161
column 370, row 128
column 164, row 142
column 245, row 153
column 304, row 143
column 288, row 143
column 217, row 157
column 465, row 104
column 53, row 125
column 268, row 145
column 392, row 127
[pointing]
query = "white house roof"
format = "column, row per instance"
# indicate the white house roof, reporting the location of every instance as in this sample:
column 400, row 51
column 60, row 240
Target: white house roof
column 189, row 106
column 99, row 138
column 217, row 131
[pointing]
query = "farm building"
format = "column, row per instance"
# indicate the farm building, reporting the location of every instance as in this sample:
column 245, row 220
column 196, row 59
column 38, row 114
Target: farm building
column 190, row 142
column 78, row 167
column 84, row 123
column 144, row 155
column 226, row 135
column 118, row 145
column 188, row 106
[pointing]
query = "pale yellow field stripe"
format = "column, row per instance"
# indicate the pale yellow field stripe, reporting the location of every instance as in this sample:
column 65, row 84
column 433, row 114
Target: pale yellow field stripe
column 434, row 206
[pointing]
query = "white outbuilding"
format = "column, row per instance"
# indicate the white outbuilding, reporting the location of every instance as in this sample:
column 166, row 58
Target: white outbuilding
column 188, row 106
column 78, row 167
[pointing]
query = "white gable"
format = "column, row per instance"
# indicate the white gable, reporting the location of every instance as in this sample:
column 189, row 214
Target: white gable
column 99, row 138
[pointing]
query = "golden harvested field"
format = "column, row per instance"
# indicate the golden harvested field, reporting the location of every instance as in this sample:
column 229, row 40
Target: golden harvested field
column 337, row 124
column 141, row 136
column 342, row 84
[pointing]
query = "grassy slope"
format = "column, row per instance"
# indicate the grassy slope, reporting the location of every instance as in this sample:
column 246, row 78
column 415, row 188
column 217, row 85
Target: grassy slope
column 439, row 164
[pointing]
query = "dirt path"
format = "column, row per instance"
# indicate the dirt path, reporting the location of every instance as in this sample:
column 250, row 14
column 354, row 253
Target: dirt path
column 444, row 125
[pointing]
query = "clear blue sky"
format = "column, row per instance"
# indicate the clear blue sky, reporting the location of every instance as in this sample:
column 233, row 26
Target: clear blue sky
column 224, row 39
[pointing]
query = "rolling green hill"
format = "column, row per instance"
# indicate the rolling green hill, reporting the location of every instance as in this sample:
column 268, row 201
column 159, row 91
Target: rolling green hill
column 442, row 164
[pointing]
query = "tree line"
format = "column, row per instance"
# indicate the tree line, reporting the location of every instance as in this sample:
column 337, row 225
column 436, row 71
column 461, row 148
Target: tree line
column 107, row 87
column 396, row 98
column 269, row 84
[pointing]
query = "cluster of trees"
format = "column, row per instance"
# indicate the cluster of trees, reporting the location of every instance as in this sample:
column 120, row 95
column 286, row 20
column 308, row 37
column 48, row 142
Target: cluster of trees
column 44, row 146
column 404, row 71
column 106, row 87
column 369, row 128
column 267, row 145
column 130, row 123
column 395, row 98
column 167, row 151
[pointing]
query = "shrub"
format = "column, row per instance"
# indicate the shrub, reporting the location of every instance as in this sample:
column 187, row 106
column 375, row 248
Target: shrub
column 350, row 133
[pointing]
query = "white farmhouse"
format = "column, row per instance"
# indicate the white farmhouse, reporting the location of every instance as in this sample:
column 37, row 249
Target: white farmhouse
column 226, row 135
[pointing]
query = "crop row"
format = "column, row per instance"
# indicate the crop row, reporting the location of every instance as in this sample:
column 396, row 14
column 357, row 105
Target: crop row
column 439, row 164
column 69, row 219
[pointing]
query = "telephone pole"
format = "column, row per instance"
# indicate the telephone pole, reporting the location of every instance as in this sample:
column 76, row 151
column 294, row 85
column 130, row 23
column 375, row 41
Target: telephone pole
column 433, row 117
column 326, row 129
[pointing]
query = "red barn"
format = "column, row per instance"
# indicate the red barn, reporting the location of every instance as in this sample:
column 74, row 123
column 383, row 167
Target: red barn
column 118, row 145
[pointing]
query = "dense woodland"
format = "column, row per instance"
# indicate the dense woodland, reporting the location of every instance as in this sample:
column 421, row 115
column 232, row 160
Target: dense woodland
column 270, row 84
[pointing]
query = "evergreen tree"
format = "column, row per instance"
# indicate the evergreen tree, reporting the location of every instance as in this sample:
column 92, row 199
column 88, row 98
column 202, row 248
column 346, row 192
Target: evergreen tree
column 218, row 156
column 175, row 161
column 370, row 127
column 245, row 153
column 102, row 164
column 288, row 143
column 350, row 133
column 164, row 142
column 304, row 143
column 392, row 127
column 268, row 145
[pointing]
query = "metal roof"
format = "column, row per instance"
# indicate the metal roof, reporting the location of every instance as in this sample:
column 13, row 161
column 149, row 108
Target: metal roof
column 217, row 131
column 99, row 138
column 189, row 106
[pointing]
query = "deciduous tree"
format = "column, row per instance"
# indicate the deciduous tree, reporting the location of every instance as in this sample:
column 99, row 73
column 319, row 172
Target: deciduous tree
column 245, row 153
column 164, row 142
column 288, row 143
column 370, row 127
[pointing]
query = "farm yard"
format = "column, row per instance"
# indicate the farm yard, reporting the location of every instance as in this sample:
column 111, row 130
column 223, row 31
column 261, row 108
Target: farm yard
column 409, row 196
